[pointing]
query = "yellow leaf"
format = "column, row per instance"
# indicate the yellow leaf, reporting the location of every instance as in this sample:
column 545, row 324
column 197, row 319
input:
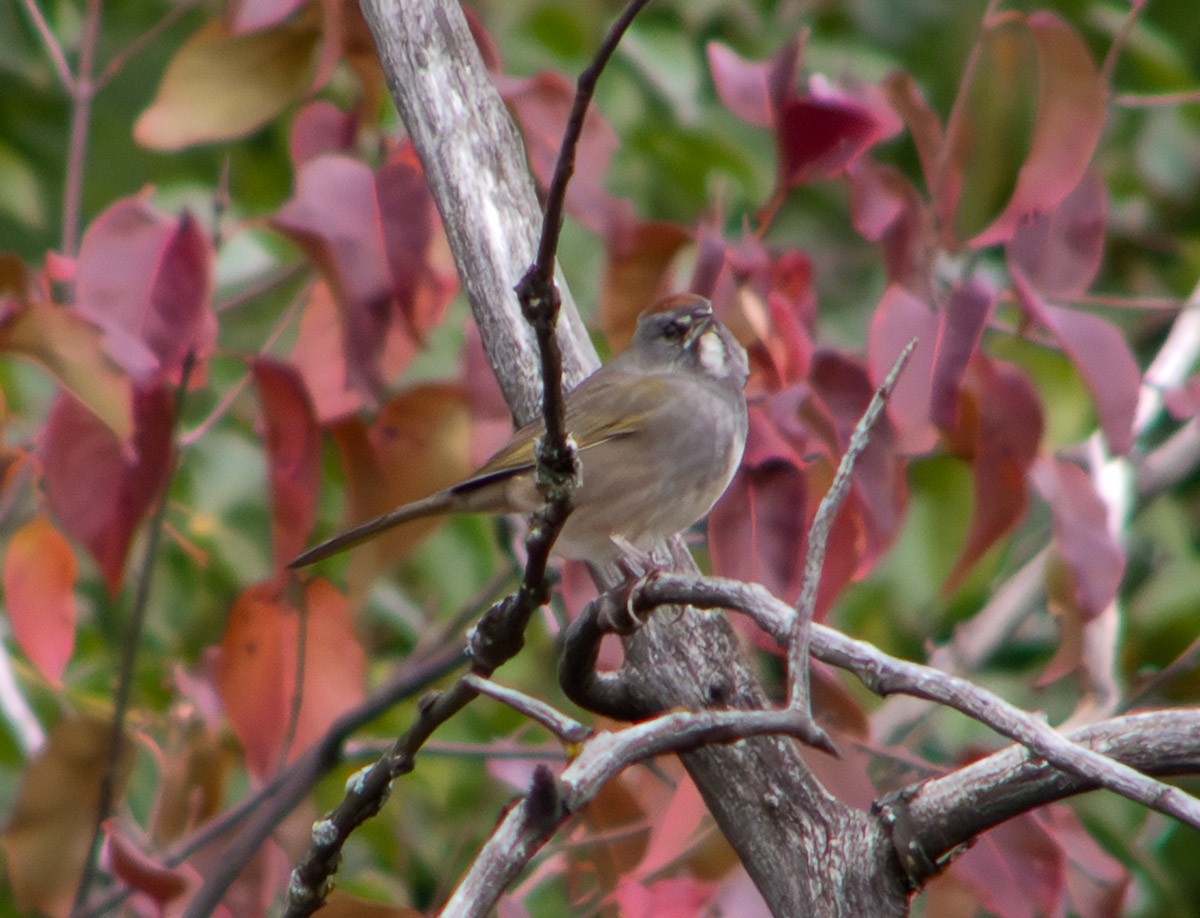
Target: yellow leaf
column 50, row 829
column 221, row 86
column 66, row 345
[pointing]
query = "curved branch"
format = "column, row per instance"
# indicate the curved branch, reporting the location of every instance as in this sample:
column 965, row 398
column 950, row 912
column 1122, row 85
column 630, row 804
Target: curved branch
column 884, row 675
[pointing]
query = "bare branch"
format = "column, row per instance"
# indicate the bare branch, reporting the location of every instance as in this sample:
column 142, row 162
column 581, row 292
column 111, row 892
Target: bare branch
column 532, row 822
column 818, row 535
column 565, row 728
column 884, row 675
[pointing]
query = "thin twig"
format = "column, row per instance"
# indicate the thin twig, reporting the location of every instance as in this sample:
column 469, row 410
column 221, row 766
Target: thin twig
column 118, row 61
column 129, row 650
column 565, row 728
column 53, row 48
column 552, row 800
column 1157, row 100
column 1118, row 43
column 818, row 536
column 82, row 93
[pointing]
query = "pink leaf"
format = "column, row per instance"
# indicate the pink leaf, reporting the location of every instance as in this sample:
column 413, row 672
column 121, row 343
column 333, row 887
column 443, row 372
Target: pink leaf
column 1059, row 251
column 541, row 105
column 886, row 208
column 1094, row 559
column 293, row 447
column 1100, row 354
column 1183, row 401
column 410, row 226
column 335, row 216
column 959, row 332
column 1017, row 870
column 755, row 91
column 1071, row 110
column 900, row 317
column 674, row 897
column 39, row 583
column 923, row 123
column 319, row 128
column 146, row 280
column 252, row 15
column 98, row 488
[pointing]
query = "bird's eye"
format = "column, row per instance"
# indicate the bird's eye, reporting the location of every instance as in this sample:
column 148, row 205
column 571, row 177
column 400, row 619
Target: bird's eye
column 676, row 330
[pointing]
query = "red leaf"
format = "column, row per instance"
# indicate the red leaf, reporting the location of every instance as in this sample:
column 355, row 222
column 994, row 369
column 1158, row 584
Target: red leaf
column 960, row 330
column 1015, row 869
column 898, row 319
column 1001, row 428
column 410, row 227
column 257, row 665
column 146, row 280
column 319, row 128
column 886, row 208
column 1094, row 559
column 541, row 105
column 39, row 582
column 879, row 486
column 417, row 445
column 819, row 136
column 1059, row 251
column 923, row 123
column 755, row 91
column 1071, row 110
column 319, row 355
column 334, row 216
column 293, row 446
column 98, row 488
column 142, row 873
column 758, row 528
column 1100, row 354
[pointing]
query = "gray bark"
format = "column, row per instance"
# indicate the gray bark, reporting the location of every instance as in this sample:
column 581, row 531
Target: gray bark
column 807, row 853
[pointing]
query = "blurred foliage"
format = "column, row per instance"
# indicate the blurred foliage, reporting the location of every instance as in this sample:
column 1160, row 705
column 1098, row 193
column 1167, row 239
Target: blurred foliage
column 682, row 156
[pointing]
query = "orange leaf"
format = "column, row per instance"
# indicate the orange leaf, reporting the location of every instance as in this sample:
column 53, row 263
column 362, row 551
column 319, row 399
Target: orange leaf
column 418, row 444
column 257, row 665
column 39, row 582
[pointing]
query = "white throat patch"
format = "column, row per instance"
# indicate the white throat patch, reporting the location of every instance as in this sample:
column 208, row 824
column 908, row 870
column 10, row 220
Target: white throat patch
column 712, row 354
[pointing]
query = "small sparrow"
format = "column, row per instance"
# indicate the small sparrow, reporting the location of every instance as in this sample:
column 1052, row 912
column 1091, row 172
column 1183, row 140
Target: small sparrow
column 659, row 431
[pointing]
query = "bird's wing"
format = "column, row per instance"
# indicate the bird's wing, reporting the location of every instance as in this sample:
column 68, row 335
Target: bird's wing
column 605, row 407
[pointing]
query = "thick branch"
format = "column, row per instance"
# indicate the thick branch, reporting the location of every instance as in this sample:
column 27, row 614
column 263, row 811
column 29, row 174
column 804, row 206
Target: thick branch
column 951, row 810
column 476, row 168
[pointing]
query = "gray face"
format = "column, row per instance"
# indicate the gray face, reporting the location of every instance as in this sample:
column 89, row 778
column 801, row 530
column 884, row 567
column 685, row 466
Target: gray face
column 689, row 338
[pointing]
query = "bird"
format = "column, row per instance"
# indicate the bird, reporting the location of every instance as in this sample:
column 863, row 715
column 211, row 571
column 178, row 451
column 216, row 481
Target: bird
column 659, row 432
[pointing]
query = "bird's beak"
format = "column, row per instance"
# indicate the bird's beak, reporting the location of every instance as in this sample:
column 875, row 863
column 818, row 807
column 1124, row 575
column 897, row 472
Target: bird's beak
column 703, row 323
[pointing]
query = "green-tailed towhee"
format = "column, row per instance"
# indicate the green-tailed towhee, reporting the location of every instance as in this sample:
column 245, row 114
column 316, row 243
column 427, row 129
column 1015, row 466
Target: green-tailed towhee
column 659, row 429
